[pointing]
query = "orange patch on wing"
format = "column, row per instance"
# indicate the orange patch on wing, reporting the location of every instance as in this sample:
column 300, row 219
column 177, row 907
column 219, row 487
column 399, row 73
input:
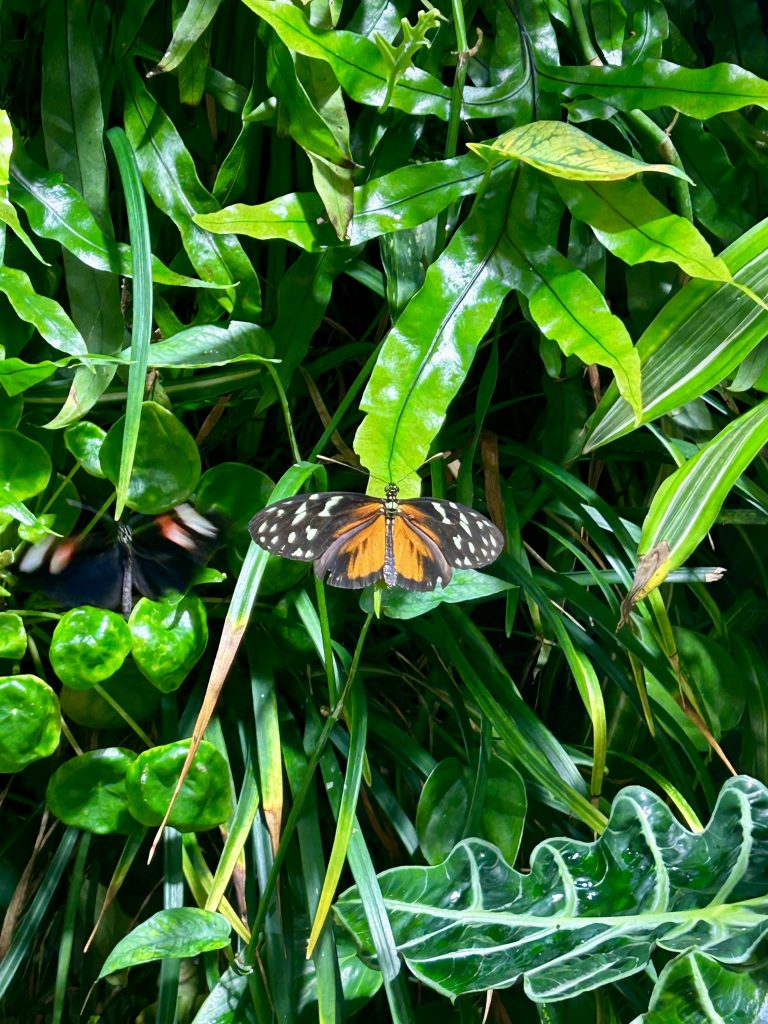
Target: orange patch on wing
column 412, row 555
column 363, row 554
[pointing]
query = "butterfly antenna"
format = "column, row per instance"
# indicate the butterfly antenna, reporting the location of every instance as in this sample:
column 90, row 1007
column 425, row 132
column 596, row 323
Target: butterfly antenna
column 339, row 462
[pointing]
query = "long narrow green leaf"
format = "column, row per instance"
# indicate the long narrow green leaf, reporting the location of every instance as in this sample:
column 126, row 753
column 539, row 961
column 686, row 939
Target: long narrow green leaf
column 687, row 503
column 141, row 330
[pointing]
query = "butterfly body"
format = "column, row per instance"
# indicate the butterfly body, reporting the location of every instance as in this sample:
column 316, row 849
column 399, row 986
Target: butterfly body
column 151, row 556
column 355, row 539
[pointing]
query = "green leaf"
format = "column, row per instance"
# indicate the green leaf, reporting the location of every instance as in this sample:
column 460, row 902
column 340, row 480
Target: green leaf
column 634, row 226
column 88, row 646
column 209, row 345
column 127, row 690
column 88, row 791
column 8, row 214
column 25, row 466
column 45, row 315
column 586, row 914
column 204, row 799
column 565, row 151
column 465, row 585
column 166, row 467
column 170, row 934
column 84, row 441
column 650, row 84
column 696, row 989
column 195, row 19
column 700, row 336
column 13, row 636
column 169, row 637
column 686, row 505
column 428, row 352
column 445, row 804
column 30, row 721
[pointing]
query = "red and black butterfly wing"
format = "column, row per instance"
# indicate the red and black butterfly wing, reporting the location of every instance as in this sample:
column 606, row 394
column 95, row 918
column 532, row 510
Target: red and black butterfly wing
column 167, row 552
column 307, row 526
column 466, row 538
column 72, row 573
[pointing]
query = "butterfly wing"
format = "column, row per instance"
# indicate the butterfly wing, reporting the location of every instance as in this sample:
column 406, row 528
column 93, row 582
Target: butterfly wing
column 167, row 552
column 466, row 538
column 419, row 561
column 356, row 557
column 307, row 526
column 74, row 573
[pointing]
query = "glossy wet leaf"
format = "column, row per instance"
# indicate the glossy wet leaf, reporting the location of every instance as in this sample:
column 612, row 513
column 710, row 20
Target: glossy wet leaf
column 588, row 912
column 168, row 638
column 25, row 466
column 166, row 466
column 209, row 345
column 173, row 933
column 565, row 151
column 13, row 636
column 84, row 441
column 449, row 809
column 88, row 791
column 30, row 721
column 204, row 799
column 45, row 314
column 465, row 585
column 650, row 84
column 88, row 646
column 127, row 688
column 696, row 989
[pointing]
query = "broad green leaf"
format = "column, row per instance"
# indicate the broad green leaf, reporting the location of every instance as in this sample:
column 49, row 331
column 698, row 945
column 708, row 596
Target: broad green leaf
column 30, row 721
column 13, row 636
column 88, row 646
column 393, row 202
column 565, row 151
column 701, row 335
column 465, row 585
column 88, row 791
column 25, row 466
column 17, row 376
column 99, row 708
column 586, row 914
column 84, row 441
column 427, row 354
column 696, row 989
column 686, row 505
column 58, row 212
column 166, row 466
column 209, row 345
column 46, row 315
column 204, row 800
column 634, row 226
column 570, row 309
column 650, row 84
column 168, row 639
column 170, row 178
column 173, row 933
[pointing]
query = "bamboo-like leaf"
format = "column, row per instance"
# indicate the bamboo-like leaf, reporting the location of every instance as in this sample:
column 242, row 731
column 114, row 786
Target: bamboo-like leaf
column 650, row 84
column 634, row 226
column 8, row 214
column 45, row 314
column 587, row 913
column 687, row 503
column 565, row 151
column 197, row 16
column 141, row 330
column 428, row 352
column 700, row 336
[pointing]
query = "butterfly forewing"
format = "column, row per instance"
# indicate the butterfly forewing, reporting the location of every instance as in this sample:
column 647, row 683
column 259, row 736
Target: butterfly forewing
column 305, row 527
column 467, row 539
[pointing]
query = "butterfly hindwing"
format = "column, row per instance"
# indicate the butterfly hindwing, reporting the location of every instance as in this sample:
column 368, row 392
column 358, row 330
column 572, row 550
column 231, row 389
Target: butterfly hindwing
column 419, row 562
column 306, row 526
column 467, row 539
column 356, row 557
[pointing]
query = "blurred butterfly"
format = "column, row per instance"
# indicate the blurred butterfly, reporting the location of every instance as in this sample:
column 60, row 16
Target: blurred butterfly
column 354, row 539
column 149, row 555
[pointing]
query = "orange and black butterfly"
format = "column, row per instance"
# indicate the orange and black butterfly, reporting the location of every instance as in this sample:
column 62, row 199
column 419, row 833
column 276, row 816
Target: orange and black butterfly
column 355, row 539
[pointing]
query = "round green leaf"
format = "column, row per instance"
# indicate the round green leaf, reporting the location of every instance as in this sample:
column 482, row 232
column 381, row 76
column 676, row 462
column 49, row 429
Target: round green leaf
column 169, row 934
column 168, row 638
column 13, row 636
column 88, row 646
column 84, row 441
column 30, row 721
column 88, row 791
column 25, row 466
column 127, row 687
column 235, row 492
column 204, row 800
column 166, row 466
column 10, row 411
